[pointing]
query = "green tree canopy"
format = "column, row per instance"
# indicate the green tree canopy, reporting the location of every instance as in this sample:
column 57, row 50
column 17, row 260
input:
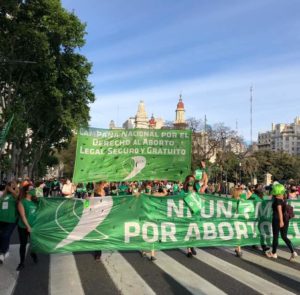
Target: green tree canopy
column 44, row 79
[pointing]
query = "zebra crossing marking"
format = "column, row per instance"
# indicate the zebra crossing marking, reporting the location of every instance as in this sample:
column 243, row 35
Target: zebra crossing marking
column 287, row 256
column 187, row 278
column 124, row 276
column 64, row 277
column 251, row 280
column 269, row 264
column 8, row 273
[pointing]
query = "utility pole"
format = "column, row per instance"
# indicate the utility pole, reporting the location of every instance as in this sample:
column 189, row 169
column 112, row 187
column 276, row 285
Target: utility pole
column 251, row 100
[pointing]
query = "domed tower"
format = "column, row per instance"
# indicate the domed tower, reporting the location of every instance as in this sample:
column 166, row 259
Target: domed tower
column 152, row 122
column 141, row 120
column 180, row 122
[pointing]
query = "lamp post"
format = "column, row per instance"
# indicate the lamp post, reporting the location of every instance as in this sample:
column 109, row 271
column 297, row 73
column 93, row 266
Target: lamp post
column 240, row 165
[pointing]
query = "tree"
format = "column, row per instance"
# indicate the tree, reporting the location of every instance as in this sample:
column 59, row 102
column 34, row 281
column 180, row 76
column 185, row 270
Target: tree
column 50, row 95
column 216, row 139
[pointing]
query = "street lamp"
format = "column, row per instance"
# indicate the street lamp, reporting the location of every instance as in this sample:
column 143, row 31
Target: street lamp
column 240, row 165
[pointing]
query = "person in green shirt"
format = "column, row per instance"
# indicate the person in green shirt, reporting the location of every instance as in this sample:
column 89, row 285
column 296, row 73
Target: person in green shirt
column 8, row 217
column 201, row 178
column 27, row 208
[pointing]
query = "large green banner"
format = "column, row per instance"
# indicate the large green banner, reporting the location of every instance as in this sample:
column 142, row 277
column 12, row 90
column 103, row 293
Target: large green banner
column 147, row 222
column 134, row 154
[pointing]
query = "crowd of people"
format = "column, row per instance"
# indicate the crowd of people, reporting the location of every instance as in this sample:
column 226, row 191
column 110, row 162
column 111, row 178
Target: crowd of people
column 19, row 204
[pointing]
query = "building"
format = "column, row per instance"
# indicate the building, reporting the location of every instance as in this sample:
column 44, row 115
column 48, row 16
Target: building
column 282, row 137
column 180, row 122
column 141, row 119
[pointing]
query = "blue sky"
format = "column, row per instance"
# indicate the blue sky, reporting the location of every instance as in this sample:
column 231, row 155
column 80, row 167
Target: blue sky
column 210, row 51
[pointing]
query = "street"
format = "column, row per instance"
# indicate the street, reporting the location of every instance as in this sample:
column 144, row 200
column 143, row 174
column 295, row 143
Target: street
column 211, row 271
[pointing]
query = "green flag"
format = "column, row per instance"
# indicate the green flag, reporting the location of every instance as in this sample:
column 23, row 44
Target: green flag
column 132, row 154
column 4, row 132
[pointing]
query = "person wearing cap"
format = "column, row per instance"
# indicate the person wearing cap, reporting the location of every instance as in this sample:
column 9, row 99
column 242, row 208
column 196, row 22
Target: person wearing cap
column 279, row 222
column 27, row 208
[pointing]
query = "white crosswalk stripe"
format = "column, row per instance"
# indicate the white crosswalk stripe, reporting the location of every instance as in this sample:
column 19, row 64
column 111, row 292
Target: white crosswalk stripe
column 286, row 255
column 8, row 273
column 269, row 264
column 194, row 283
column 64, row 277
column 124, row 275
column 245, row 277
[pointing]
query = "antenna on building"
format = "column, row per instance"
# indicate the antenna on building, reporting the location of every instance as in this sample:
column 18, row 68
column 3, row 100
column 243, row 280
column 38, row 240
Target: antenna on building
column 251, row 101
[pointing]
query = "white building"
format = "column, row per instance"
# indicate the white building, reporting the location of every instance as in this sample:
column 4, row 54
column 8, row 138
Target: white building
column 282, row 137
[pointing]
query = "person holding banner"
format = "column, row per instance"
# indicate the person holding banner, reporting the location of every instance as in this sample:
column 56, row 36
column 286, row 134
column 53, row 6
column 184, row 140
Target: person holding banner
column 189, row 186
column 280, row 222
column 201, row 178
column 27, row 208
column 161, row 192
column 8, row 217
column 236, row 194
column 99, row 192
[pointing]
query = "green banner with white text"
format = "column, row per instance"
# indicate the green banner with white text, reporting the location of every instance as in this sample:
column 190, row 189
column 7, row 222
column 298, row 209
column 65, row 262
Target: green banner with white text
column 148, row 222
column 133, row 154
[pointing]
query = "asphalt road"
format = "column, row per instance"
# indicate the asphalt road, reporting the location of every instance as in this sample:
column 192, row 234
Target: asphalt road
column 211, row 271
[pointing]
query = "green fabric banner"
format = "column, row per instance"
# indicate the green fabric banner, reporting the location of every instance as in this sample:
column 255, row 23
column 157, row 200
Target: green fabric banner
column 147, row 222
column 4, row 132
column 134, row 154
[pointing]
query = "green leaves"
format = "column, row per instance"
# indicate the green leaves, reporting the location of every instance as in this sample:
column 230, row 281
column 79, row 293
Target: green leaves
column 50, row 96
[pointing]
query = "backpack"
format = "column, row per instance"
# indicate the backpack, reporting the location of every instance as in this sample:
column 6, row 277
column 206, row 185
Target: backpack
column 289, row 212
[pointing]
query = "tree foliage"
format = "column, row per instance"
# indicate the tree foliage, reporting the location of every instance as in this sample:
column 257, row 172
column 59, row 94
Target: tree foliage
column 44, row 80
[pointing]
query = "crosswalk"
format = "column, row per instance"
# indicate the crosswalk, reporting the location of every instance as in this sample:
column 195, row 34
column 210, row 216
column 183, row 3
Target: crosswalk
column 211, row 271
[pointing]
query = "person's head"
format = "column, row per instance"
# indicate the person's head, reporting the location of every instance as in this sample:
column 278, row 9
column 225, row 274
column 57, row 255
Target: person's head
column 278, row 190
column 68, row 181
column 202, row 163
column 189, row 183
column 237, row 191
column 28, row 192
column 293, row 188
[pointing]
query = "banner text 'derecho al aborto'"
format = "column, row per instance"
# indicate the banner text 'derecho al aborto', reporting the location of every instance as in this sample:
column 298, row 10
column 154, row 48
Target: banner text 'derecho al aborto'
column 137, row 154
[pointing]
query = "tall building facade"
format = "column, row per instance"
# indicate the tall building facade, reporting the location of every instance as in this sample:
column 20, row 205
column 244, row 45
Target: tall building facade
column 282, row 137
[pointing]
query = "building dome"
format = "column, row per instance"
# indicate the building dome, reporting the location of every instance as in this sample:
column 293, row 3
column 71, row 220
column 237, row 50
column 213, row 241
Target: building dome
column 180, row 104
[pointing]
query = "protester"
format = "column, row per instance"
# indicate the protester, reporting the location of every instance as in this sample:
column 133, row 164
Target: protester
column 201, row 178
column 27, row 207
column 189, row 186
column 162, row 192
column 236, row 194
column 55, row 188
column 280, row 223
column 8, row 217
column 68, row 189
column 81, row 191
column 99, row 192
column 293, row 192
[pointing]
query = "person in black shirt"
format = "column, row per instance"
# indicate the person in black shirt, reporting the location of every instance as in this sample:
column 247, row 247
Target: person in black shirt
column 279, row 222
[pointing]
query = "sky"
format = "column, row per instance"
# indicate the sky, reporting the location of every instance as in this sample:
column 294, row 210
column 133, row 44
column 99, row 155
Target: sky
column 211, row 52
